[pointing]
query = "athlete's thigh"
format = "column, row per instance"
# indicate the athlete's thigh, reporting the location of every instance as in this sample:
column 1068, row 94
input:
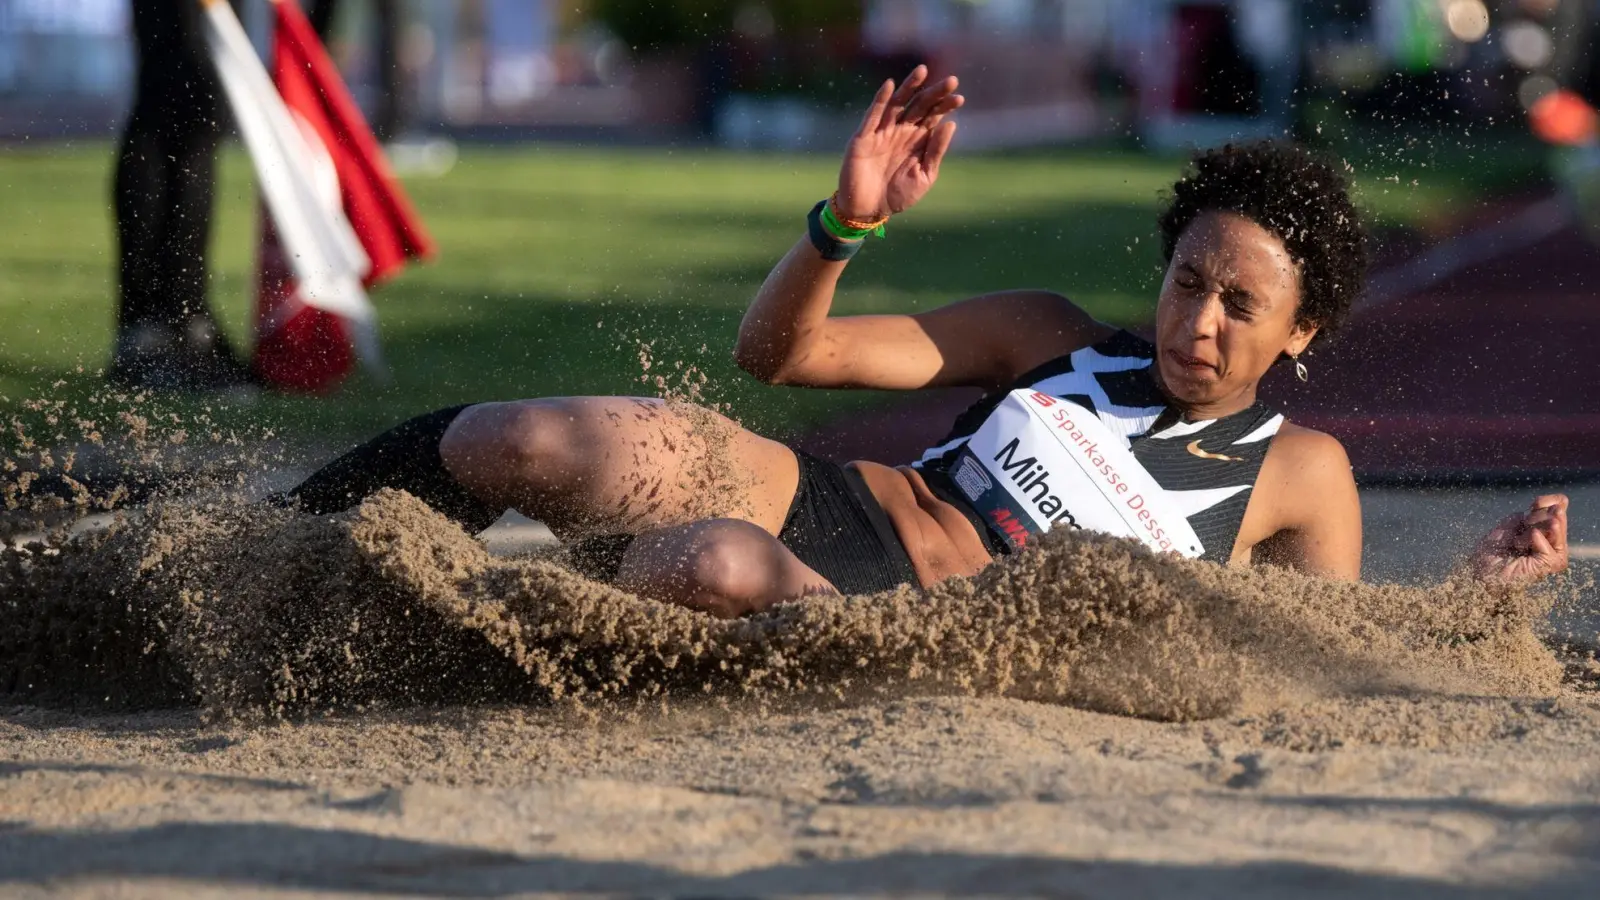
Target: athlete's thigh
column 622, row 464
column 662, row 463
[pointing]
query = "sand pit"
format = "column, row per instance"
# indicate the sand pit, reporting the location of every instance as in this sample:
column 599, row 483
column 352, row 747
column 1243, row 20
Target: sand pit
column 213, row 701
column 943, row 795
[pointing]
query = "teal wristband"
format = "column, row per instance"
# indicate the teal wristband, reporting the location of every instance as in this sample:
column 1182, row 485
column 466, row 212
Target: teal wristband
column 832, row 247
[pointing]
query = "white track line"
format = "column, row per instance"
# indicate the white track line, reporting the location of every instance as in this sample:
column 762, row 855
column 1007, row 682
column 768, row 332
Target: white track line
column 1533, row 224
column 503, row 538
column 509, row 538
column 96, row 522
column 1583, row 551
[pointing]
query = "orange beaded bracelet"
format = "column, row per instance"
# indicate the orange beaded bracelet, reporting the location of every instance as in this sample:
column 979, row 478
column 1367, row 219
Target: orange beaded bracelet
column 854, row 224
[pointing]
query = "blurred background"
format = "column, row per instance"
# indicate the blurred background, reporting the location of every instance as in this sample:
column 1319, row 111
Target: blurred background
column 788, row 73
column 609, row 180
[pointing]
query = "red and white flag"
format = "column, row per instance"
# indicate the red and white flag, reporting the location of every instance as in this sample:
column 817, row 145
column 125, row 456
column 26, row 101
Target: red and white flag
column 337, row 221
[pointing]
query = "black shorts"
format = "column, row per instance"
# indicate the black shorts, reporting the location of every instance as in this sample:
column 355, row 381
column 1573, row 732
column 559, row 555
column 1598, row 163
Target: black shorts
column 834, row 525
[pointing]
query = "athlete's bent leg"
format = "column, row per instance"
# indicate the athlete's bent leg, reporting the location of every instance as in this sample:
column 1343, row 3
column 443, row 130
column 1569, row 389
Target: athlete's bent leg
column 581, row 465
column 596, row 465
column 725, row 567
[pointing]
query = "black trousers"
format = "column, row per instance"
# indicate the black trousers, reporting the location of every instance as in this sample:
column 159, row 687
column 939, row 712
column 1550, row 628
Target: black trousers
column 165, row 169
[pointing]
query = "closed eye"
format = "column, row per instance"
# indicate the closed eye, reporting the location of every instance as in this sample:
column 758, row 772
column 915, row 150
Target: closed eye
column 1240, row 304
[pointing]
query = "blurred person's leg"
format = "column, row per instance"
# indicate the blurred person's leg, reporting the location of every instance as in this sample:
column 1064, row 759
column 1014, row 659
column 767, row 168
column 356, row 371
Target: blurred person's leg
column 321, row 13
column 388, row 117
column 166, row 335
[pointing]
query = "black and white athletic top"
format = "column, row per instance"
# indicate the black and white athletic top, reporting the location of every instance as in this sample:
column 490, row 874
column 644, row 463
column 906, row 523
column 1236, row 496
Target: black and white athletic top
column 1207, row 468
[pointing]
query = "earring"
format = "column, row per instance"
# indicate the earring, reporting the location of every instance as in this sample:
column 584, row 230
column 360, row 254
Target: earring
column 1299, row 368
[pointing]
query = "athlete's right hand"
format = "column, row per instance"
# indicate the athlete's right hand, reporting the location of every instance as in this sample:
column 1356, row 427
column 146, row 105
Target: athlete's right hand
column 893, row 158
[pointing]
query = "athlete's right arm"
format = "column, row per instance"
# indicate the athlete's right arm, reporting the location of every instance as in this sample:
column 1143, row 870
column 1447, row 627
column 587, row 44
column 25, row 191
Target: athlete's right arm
column 787, row 336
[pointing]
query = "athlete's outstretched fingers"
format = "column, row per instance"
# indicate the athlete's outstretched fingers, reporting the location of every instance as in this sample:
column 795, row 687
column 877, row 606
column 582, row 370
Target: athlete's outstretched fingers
column 725, row 567
column 946, row 106
column 928, row 99
column 880, row 102
column 938, row 143
column 902, row 96
column 950, row 104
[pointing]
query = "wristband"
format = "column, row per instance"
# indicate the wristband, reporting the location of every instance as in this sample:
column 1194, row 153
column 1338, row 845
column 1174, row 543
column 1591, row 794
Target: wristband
column 863, row 225
column 847, row 230
column 832, row 247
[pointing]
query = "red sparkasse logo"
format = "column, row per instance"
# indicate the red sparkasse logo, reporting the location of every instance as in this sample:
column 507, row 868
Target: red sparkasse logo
column 1043, row 399
column 1011, row 526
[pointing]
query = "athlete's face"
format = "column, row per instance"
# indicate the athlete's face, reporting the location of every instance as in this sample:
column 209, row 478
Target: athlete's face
column 1227, row 312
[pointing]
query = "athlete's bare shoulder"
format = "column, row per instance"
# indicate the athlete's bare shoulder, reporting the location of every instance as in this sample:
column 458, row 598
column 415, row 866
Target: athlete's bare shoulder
column 1302, row 446
column 1301, row 463
column 1304, row 511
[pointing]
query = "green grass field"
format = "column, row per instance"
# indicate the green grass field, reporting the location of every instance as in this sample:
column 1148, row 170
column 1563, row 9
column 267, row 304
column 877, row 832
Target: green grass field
column 557, row 263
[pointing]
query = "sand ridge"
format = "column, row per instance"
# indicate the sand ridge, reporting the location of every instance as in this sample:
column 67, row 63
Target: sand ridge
column 252, row 610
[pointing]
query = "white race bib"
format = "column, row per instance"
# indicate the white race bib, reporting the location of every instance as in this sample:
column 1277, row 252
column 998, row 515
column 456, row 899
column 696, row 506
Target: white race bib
column 1039, row 462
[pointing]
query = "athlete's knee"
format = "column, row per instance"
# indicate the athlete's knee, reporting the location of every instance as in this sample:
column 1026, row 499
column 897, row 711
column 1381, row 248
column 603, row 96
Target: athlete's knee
column 538, row 440
column 735, row 567
column 724, row 567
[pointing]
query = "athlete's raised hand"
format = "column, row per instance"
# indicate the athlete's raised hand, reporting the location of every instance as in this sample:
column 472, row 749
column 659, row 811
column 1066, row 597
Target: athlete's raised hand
column 893, row 158
column 1525, row 547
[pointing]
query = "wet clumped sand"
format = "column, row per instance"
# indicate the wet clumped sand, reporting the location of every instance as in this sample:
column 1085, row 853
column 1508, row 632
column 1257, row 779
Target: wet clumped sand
column 216, row 697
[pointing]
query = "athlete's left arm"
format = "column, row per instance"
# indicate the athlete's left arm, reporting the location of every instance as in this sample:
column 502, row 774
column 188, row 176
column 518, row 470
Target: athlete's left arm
column 1305, row 506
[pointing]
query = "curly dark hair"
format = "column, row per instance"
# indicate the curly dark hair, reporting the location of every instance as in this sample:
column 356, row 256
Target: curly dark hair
column 1297, row 195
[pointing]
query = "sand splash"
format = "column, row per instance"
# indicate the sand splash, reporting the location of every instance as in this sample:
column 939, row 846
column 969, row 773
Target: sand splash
column 251, row 611
column 200, row 598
